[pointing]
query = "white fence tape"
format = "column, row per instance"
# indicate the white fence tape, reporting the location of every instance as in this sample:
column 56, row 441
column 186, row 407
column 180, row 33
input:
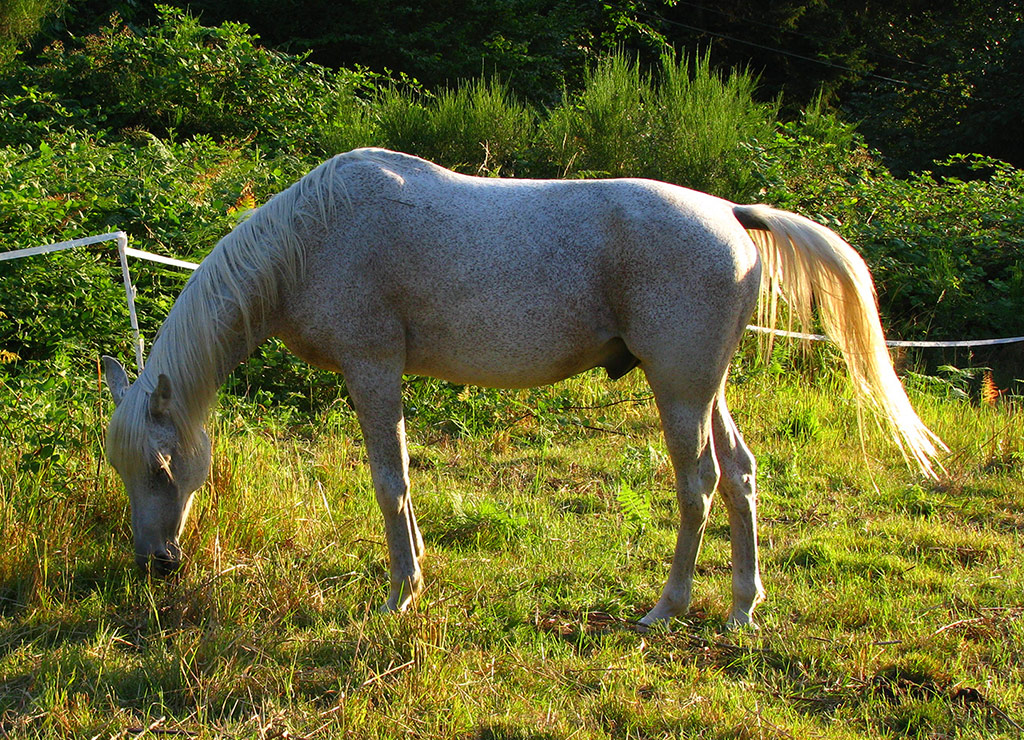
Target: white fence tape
column 160, row 258
column 124, row 251
column 31, row 251
column 892, row 342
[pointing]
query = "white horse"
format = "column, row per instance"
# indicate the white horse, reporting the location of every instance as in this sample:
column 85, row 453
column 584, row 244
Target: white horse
column 377, row 264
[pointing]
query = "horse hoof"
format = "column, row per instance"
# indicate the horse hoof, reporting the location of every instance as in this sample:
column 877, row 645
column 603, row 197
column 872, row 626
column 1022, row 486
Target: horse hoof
column 400, row 599
column 746, row 624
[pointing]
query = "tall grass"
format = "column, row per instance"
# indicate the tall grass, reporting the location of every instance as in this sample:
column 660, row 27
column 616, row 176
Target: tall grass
column 685, row 123
column 20, row 20
column 477, row 128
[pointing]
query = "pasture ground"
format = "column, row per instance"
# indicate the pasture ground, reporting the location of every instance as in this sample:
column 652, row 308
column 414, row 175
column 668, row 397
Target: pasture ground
column 895, row 605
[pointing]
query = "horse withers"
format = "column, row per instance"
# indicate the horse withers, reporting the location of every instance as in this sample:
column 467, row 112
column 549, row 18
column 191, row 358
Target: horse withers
column 377, row 264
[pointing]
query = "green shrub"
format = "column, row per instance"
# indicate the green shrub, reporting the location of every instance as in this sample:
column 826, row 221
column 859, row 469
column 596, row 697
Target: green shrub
column 947, row 254
column 179, row 78
column 45, row 414
column 604, row 130
column 61, row 300
column 176, row 199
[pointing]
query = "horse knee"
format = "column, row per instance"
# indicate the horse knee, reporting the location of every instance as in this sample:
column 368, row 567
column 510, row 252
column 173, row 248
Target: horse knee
column 392, row 492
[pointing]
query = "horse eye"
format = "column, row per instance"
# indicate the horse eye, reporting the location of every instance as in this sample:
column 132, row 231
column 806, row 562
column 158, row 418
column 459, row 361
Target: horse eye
column 162, row 469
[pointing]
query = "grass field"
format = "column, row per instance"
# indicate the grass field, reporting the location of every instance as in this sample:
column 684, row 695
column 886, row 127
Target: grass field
column 895, row 605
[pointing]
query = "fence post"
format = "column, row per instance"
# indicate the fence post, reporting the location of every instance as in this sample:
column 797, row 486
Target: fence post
column 129, row 291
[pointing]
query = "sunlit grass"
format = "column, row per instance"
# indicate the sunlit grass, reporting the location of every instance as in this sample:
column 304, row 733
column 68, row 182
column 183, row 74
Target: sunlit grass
column 894, row 606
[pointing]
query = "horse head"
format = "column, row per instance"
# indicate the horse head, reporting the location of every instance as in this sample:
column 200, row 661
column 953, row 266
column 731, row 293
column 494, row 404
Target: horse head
column 159, row 469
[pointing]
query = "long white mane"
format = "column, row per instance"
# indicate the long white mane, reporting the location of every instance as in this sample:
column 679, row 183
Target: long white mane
column 214, row 322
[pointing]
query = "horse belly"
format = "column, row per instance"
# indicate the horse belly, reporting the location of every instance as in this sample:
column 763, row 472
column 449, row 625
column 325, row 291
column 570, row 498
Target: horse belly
column 520, row 356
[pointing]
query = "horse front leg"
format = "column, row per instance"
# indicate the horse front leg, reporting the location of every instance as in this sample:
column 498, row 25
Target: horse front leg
column 377, row 396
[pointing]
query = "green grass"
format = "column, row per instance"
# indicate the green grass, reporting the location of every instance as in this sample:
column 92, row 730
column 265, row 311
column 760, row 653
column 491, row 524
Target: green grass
column 895, row 605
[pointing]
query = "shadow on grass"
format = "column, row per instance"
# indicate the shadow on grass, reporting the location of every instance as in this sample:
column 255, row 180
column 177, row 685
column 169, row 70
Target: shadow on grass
column 498, row 732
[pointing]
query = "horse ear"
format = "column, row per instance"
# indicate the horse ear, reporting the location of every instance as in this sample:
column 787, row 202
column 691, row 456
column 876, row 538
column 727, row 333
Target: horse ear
column 160, row 401
column 117, row 378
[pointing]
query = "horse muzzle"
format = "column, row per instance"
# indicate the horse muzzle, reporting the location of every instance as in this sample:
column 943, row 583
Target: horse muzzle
column 163, row 562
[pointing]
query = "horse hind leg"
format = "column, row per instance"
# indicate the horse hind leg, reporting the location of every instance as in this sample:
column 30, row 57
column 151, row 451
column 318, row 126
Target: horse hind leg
column 687, row 428
column 737, row 484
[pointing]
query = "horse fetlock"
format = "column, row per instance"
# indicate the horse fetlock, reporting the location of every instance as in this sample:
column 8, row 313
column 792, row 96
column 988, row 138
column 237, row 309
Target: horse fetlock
column 747, row 592
column 744, row 601
column 668, row 607
column 392, row 500
column 403, row 592
column 661, row 613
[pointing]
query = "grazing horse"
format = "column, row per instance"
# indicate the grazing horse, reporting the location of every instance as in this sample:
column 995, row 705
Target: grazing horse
column 377, row 264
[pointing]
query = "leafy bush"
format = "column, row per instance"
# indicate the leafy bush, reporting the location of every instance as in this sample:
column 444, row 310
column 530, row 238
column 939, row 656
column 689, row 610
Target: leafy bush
column 173, row 199
column 179, row 79
column 42, row 413
column 536, row 46
column 29, row 115
column 63, row 299
column 947, row 254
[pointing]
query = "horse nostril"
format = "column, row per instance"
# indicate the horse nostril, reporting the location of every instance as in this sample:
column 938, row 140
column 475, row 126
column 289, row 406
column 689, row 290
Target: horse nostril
column 163, row 562
column 167, row 560
column 166, row 566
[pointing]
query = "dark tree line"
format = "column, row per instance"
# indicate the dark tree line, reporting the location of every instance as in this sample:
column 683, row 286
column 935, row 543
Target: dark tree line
column 923, row 78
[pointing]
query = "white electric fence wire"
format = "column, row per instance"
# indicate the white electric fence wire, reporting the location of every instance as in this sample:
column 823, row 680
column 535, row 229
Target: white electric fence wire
column 890, row 342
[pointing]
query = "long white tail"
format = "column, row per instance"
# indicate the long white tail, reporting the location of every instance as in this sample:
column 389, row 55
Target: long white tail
column 808, row 265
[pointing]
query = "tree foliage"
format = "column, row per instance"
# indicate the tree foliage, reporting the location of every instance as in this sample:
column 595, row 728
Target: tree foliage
column 538, row 47
column 928, row 79
column 179, row 79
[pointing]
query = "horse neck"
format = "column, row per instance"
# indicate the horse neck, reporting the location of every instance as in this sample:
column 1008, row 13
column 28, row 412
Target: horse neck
column 223, row 313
